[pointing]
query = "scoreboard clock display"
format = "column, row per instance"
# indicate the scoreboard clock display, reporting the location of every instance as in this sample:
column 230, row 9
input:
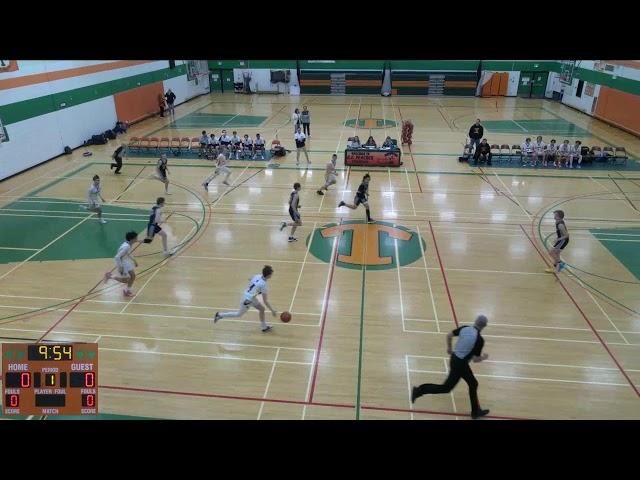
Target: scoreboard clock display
column 50, row 379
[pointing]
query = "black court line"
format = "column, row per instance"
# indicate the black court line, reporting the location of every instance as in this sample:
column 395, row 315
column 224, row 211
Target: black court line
column 130, row 183
column 236, row 186
column 625, row 195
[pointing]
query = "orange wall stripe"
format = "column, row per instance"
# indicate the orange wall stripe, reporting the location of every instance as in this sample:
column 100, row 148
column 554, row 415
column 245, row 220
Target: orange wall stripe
column 460, row 84
column 314, row 83
column 410, row 83
column 364, row 83
column 71, row 72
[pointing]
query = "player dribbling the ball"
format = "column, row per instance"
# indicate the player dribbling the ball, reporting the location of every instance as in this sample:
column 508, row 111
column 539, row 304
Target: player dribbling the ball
column 257, row 286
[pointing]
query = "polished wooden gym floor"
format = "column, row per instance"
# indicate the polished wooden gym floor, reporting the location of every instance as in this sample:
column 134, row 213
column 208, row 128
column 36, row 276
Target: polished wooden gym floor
column 453, row 241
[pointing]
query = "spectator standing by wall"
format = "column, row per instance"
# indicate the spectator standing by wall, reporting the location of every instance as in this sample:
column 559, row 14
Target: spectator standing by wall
column 476, row 132
column 171, row 97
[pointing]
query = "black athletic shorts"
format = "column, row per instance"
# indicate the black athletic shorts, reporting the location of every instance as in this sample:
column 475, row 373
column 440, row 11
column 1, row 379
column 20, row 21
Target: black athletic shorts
column 560, row 244
column 152, row 230
column 295, row 216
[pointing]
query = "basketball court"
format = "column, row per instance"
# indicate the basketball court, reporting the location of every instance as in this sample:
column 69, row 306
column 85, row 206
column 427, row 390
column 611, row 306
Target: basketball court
column 371, row 304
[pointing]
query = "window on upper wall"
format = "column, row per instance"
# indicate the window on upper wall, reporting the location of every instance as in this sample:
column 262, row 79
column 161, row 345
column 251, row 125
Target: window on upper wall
column 579, row 89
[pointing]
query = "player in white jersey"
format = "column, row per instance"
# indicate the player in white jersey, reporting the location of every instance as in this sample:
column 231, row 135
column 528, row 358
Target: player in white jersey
column 564, row 153
column 300, row 139
column 527, row 152
column 257, row 286
column 247, row 147
column 236, row 145
column 93, row 199
column 225, row 142
column 161, row 172
column 258, row 146
column 539, row 148
column 125, row 263
column 221, row 167
column 329, row 175
column 294, row 205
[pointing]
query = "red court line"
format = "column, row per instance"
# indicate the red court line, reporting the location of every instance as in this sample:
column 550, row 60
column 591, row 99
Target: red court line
column 595, row 332
column 444, row 275
column 299, row 402
column 323, row 320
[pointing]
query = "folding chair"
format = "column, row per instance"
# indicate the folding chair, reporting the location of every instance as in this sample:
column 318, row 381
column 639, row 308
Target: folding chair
column 134, row 144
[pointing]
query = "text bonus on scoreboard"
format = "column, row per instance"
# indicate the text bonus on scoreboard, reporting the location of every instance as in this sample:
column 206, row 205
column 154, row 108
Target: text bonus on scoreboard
column 50, row 379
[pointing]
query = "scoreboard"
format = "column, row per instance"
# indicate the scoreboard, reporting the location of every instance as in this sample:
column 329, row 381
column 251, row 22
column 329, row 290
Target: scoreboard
column 50, row 379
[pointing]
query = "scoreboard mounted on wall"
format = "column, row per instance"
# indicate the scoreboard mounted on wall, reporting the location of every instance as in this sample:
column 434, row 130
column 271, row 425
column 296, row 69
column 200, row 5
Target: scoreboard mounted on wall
column 50, row 378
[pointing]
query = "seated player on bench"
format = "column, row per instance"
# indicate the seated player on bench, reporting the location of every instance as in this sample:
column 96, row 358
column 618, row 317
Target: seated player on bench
column 483, row 152
column 236, row 145
column 258, row 146
column 204, row 143
column 247, row 147
column 225, row 142
column 213, row 146
column 551, row 153
column 528, row 153
column 564, row 153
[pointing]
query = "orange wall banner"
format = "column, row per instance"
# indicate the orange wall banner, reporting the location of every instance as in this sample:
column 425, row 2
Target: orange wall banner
column 138, row 103
column 619, row 108
column 8, row 66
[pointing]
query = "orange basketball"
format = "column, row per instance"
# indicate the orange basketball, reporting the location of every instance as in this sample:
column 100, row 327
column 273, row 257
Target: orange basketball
column 285, row 317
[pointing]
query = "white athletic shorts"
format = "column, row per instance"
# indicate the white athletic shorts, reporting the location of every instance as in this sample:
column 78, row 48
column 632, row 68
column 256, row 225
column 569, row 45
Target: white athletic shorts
column 127, row 266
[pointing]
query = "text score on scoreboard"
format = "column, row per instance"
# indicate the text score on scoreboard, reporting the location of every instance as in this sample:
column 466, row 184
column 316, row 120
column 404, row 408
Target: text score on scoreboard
column 50, row 378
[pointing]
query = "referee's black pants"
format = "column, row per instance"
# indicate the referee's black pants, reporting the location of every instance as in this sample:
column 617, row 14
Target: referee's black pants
column 457, row 369
column 118, row 164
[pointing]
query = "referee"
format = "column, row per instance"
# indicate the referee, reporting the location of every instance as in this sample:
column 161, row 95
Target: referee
column 468, row 347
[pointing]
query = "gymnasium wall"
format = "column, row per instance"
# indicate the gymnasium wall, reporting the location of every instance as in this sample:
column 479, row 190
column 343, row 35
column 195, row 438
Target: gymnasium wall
column 261, row 79
column 620, row 109
column 47, row 105
column 501, row 84
column 616, row 92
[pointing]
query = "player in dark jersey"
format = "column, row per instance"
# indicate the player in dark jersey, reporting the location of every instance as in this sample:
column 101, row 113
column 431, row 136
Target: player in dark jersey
column 362, row 197
column 153, row 227
column 561, row 242
column 161, row 172
column 294, row 205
